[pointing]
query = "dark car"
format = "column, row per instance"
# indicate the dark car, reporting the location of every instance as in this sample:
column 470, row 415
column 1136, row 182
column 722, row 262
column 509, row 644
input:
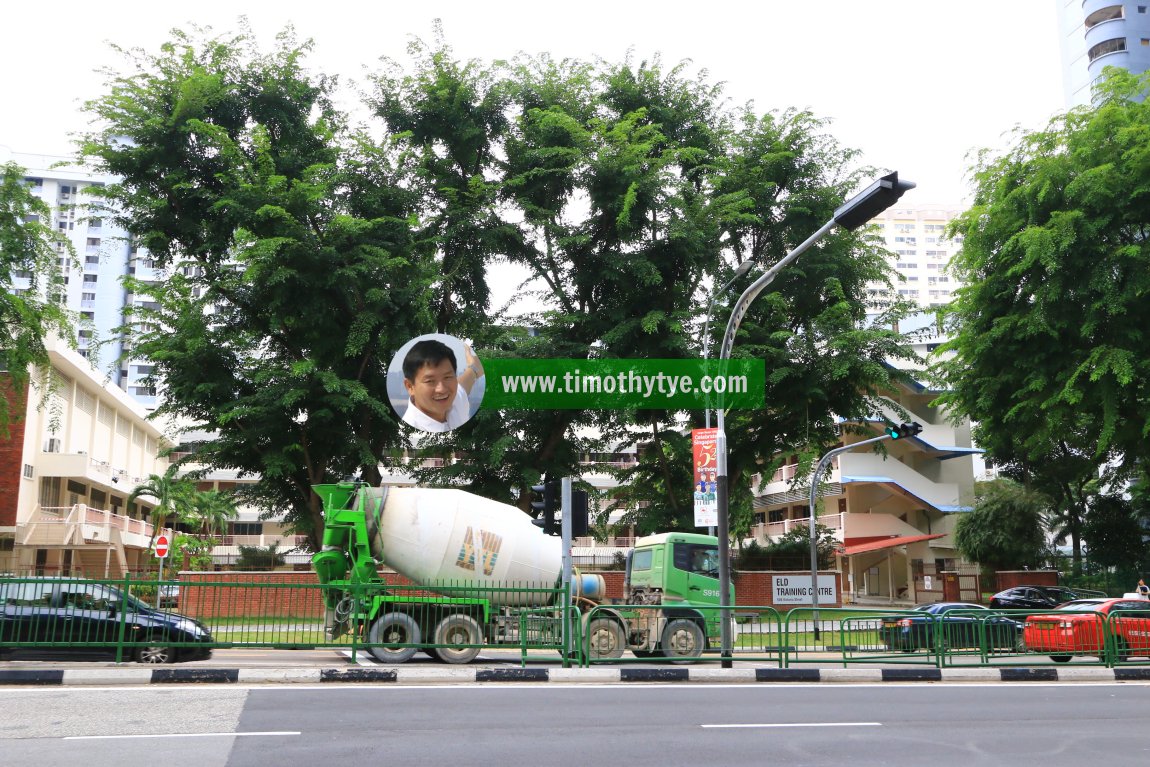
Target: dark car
column 962, row 625
column 1033, row 598
column 74, row 616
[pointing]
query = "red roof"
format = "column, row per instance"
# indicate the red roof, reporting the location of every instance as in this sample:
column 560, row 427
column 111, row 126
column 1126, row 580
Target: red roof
column 888, row 543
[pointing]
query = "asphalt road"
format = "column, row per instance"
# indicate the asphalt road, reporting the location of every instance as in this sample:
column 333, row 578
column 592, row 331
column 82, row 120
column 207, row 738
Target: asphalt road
column 554, row 725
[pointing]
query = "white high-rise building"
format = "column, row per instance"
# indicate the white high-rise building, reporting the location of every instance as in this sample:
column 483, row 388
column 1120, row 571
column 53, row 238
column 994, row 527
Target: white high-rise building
column 1097, row 34
column 106, row 254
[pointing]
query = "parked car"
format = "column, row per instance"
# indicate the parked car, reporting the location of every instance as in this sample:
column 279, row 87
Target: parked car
column 74, row 616
column 1033, row 598
column 170, row 595
column 962, row 625
column 1078, row 628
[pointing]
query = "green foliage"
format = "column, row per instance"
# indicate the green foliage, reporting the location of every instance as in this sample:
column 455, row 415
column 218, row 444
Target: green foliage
column 1004, row 531
column 192, row 552
column 260, row 557
column 31, row 251
column 790, row 551
column 1049, row 350
column 292, row 270
column 173, row 497
column 300, row 255
column 1114, row 534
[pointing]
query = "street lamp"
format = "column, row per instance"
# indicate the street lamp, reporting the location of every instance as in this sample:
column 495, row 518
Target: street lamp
column 740, row 270
column 852, row 214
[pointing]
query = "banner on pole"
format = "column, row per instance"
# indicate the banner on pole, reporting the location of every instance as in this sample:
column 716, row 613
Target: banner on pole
column 705, row 452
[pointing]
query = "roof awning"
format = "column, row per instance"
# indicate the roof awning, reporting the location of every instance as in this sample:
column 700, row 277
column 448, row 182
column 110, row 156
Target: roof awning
column 888, row 543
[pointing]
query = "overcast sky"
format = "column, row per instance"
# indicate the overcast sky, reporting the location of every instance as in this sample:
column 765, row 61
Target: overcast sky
column 914, row 84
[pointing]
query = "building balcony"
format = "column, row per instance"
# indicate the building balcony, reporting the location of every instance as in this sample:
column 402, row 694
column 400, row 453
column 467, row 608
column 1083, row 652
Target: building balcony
column 82, row 467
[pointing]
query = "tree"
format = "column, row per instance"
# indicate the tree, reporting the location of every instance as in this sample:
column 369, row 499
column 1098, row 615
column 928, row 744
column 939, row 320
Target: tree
column 260, row 557
column 1049, row 343
column 210, row 511
column 1004, row 531
column 173, row 496
column 291, row 270
column 30, row 251
column 1114, row 535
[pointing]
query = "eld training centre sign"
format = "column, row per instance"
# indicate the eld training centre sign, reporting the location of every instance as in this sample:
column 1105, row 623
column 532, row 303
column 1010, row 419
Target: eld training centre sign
column 796, row 590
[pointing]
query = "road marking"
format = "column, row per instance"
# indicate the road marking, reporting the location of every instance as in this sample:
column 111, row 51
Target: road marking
column 179, row 735
column 797, row 724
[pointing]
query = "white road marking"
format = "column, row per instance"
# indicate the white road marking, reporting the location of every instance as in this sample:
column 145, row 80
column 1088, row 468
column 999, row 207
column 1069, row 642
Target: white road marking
column 798, row 724
column 179, row 735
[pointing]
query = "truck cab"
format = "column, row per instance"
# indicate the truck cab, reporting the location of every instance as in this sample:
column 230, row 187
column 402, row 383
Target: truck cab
column 680, row 572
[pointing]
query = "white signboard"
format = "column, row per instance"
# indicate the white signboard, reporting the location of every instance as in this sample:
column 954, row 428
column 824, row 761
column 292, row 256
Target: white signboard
column 796, row 590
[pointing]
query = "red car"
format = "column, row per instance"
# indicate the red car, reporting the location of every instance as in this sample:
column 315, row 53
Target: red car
column 1079, row 628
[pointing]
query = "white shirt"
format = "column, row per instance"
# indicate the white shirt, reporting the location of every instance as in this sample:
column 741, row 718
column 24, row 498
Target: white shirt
column 456, row 417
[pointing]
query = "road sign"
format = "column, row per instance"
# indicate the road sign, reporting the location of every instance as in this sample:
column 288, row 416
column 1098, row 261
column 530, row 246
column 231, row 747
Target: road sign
column 161, row 546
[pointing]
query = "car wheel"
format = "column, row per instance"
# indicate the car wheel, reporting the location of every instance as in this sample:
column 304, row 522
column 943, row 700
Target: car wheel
column 1060, row 658
column 155, row 652
column 1121, row 650
column 1019, row 643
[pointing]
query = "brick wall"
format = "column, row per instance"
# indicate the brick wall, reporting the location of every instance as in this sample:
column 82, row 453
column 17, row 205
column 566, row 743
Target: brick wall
column 286, row 593
column 11, row 454
column 1008, row 579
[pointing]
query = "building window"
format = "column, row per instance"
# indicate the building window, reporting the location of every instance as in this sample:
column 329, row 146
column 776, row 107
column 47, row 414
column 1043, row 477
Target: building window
column 28, row 470
column 1109, row 13
column 1114, row 45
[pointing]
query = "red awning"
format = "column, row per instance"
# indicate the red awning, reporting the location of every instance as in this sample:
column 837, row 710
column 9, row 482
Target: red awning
column 888, row 543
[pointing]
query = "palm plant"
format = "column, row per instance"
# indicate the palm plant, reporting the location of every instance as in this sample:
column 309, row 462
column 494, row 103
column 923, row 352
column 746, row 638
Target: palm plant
column 173, row 496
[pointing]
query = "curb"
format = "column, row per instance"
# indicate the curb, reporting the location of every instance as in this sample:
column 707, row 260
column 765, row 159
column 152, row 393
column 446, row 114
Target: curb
column 471, row 675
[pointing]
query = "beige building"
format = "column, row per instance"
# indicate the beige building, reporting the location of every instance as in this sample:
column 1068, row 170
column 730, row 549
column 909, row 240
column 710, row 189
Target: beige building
column 66, row 471
column 893, row 515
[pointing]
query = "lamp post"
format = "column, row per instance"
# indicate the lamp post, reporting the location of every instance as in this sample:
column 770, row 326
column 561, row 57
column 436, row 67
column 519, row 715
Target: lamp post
column 852, row 214
column 740, row 270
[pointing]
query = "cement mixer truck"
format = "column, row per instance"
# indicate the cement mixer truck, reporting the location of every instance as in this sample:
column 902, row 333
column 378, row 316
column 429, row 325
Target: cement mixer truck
column 482, row 575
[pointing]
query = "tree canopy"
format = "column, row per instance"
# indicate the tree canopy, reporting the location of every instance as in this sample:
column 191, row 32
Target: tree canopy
column 36, row 257
column 300, row 253
column 1005, row 530
column 1050, row 342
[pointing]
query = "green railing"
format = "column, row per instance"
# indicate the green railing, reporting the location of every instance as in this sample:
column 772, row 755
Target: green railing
column 454, row 621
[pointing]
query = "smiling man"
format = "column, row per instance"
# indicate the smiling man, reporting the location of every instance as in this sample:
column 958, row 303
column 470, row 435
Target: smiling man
column 433, row 382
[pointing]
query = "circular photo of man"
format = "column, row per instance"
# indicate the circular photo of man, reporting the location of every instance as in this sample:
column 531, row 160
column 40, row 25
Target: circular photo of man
column 435, row 382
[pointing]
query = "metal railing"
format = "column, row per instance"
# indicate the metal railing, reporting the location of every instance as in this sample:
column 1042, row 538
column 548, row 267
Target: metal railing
column 455, row 621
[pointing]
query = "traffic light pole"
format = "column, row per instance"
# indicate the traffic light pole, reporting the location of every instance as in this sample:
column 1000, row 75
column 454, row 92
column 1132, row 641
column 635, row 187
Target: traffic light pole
column 566, row 538
column 892, row 432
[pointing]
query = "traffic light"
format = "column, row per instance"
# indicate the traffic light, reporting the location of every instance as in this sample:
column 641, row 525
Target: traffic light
column 578, row 513
column 545, row 502
column 903, row 430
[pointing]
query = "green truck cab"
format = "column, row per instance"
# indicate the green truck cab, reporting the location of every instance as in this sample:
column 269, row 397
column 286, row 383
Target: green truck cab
column 677, row 574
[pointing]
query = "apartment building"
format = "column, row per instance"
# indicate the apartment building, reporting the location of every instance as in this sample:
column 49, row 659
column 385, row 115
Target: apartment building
column 894, row 514
column 1096, row 34
column 66, row 470
column 106, row 255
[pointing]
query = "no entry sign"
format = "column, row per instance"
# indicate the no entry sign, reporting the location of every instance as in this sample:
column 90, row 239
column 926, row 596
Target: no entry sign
column 161, row 546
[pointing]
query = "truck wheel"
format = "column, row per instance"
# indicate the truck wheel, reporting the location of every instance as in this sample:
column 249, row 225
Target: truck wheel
column 393, row 628
column 682, row 638
column 457, row 629
column 605, row 639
